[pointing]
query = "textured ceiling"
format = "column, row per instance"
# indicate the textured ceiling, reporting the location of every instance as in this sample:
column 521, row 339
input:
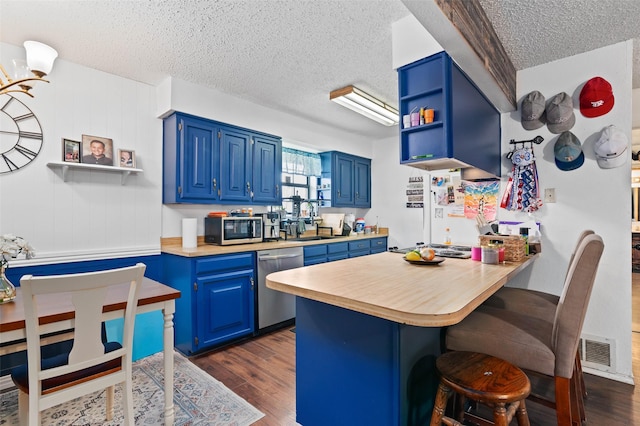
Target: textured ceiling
column 289, row 54
column 535, row 32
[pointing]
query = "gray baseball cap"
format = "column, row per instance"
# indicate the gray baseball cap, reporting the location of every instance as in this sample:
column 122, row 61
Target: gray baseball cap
column 568, row 152
column 560, row 116
column 532, row 111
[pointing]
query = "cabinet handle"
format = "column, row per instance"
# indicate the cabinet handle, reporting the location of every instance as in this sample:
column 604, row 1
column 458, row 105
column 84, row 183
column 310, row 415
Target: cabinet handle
column 248, row 187
column 357, row 195
column 277, row 189
column 338, row 193
column 215, row 183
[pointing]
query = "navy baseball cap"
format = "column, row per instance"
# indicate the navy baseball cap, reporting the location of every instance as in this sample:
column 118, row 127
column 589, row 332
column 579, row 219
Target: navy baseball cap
column 568, row 152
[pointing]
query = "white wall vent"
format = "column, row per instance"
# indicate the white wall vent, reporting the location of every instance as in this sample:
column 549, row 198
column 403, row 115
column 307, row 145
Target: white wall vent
column 597, row 352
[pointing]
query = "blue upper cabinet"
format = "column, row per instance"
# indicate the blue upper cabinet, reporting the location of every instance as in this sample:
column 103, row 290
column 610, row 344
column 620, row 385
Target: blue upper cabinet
column 350, row 178
column 267, row 170
column 235, row 165
column 342, row 180
column 191, row 172
column 207, row 162
column 465, row 132
column 362, row 182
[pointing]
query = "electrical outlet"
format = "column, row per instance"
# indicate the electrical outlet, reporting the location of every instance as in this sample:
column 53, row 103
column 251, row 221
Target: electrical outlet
column 550, row 195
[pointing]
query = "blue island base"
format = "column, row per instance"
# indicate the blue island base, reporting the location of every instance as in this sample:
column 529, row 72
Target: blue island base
column 357, row 369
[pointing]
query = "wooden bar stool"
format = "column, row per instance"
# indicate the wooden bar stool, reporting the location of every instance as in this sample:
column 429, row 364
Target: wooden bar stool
column 484, row 379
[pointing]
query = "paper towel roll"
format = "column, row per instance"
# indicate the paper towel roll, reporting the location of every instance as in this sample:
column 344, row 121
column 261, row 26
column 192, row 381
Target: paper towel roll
column 189, row 233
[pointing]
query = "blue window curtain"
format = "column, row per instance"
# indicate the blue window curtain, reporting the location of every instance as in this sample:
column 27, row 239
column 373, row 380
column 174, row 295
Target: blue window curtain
column 300, row 162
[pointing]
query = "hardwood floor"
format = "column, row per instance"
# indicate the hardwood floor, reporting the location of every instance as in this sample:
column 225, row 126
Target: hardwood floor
column 262, row 371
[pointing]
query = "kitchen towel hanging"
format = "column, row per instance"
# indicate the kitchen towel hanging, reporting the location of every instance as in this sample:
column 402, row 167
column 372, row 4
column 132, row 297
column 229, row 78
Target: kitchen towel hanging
column 522, row 192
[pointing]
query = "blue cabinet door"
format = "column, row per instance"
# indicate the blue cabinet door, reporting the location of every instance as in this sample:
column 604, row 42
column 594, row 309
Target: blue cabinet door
column 362, row 183
column 224, row 311
column 267, row 170
column 359, row 248
column 235, row 165
column 350, row 179
column 198, row 145
column 315, row 254
column 342, row 181
column 378, row 245
column 190, row 156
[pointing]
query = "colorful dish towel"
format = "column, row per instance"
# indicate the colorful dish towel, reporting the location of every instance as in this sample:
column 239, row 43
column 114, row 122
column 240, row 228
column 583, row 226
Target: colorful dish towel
column 522, row 192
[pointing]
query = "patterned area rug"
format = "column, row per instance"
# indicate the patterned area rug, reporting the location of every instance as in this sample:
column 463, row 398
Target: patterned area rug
column 199, row 400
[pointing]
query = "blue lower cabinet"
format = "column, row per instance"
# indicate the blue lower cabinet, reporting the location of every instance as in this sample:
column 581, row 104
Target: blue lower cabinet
column 225, row 313
column 378, row 245
column 359, row 248
column 330, row 252
column 218, row 299
column 337, row 251
column 315, row 254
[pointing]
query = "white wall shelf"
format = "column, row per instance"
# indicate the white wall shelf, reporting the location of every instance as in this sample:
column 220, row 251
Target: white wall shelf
column 124, row 171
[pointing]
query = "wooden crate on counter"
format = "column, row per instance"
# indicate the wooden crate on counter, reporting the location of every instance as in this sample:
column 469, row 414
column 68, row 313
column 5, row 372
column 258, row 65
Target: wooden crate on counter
column 514, row 245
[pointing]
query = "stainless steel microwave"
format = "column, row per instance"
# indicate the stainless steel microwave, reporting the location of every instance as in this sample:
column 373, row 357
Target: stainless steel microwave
column 232, row 230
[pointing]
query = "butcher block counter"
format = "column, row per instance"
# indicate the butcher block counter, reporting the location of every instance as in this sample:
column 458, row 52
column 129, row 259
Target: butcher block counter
column 173, row 245
column 386, row 286
column 368, row 331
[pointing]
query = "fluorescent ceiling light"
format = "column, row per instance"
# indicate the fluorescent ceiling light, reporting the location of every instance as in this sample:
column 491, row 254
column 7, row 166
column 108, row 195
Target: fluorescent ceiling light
column 365, row 104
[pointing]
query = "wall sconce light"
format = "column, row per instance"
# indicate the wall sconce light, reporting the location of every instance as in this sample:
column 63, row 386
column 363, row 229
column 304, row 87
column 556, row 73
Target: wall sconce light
column 365, row 104
column 40, row 58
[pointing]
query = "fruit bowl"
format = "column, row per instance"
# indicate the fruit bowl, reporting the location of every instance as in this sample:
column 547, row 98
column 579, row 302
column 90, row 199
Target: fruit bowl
column 435, row 261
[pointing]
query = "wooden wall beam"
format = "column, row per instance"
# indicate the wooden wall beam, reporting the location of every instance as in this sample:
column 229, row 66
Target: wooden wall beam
column 468, row 17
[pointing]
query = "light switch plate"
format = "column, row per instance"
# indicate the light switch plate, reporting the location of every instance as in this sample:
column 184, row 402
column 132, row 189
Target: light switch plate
column 550, row 195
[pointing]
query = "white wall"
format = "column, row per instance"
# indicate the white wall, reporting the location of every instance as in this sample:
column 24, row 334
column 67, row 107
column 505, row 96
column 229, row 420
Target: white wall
column 587, row 198
column 92, row 214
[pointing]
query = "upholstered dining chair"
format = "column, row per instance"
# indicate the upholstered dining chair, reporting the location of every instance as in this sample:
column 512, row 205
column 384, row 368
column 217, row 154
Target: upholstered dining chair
column 543, row 346
column 537, row 304
column 531, row 302
column 90, row 365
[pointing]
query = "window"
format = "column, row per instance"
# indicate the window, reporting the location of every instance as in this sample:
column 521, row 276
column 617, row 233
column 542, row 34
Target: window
column 300, row 170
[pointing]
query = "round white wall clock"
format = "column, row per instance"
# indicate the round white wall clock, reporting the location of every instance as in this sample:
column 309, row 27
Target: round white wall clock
column 20, row 135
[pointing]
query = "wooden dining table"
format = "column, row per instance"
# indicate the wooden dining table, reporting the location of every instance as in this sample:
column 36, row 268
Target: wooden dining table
column 56, row 313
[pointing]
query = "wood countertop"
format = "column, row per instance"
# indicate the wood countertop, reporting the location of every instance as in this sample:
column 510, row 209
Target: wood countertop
column 58, row 307
column 174, row 245
column 386, row 286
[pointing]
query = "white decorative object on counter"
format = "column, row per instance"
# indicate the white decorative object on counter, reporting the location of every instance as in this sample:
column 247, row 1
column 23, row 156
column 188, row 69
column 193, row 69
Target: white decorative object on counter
column 10, row 248
column 189, row 233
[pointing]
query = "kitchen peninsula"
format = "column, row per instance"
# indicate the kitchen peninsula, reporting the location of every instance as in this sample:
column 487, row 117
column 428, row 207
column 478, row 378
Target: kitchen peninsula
column 366, row 328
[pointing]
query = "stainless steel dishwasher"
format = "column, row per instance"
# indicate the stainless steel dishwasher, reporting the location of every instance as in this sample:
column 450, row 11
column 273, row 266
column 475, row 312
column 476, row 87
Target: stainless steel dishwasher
column 275, row 307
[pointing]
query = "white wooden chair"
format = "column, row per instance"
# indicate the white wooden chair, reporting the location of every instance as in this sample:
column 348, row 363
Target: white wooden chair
column 90, row 365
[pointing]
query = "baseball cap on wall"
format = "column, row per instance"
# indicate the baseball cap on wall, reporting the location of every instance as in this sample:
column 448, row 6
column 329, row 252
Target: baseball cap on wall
column 611, row 148
column 596, row 98
column 568, row 152
column 532, row 111
column 560, row 116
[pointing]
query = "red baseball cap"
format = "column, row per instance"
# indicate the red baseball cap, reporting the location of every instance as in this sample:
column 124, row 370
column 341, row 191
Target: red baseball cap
column 596, row 98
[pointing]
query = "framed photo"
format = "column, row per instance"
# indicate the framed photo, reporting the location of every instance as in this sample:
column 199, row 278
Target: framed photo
column 97, row 150
column 71, row 151
column 127, row 158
